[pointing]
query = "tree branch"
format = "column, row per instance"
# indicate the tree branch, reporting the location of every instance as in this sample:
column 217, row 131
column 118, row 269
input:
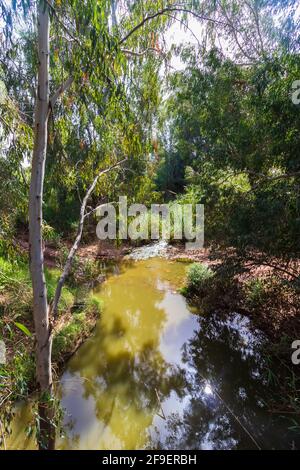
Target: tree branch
column 266, row 178
column 168, row 10
column 62, row 23
column 66, row 85
column 185, row 26
column 75, row 246
column 235, row 33
column 140, row 54
column 98, row 207
column 274, row 266
column 256, row 19
column 60, row 90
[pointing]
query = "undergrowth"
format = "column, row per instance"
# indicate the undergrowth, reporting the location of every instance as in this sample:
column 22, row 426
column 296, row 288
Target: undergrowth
column 78, row 310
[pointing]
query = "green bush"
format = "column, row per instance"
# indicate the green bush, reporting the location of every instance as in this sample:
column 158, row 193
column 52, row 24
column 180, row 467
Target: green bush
column 22, row 370
column 198, row 275
column 68, row 335
column 93, row 305
column 50, row 235
column 89, row 271
column 67, row 295
column 77, row 329
column 255, row 291
column 15, row 286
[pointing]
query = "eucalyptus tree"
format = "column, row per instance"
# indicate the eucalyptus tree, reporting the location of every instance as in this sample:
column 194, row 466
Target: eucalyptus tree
column 251, row 30
column 86, row 76
column 82, row 52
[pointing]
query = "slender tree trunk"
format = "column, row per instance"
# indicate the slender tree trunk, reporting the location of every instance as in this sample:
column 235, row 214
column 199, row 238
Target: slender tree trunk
column 46, row 438
column 114, row 13
column 40, row 304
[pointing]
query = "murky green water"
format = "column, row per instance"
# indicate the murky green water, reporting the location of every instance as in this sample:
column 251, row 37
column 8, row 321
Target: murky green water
column 156, row 375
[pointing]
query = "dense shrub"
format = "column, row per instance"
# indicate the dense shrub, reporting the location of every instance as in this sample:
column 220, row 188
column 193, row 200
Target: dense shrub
column 198, row 276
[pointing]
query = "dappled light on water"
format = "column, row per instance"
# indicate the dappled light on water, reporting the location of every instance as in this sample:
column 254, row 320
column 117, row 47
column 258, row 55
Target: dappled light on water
column 155, row 374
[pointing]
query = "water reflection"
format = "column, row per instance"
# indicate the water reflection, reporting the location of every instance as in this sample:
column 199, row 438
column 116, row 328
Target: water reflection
column 115, row 384
column 226, row 390
column 156, row 376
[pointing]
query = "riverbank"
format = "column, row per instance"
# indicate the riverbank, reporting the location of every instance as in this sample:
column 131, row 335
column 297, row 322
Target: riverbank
column 265, row 289
column 261, row 288
column 174, row 376
column 78, row 312
column 269, row 296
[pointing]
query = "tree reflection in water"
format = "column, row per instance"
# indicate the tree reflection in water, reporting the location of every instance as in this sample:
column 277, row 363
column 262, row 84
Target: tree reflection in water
column 157, row 376
column 226, row 387
column 114, row 387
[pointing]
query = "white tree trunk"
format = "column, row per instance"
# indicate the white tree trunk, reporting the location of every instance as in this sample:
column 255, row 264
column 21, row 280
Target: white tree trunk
column 75, row 246
column 40, row 304
column 114, row 13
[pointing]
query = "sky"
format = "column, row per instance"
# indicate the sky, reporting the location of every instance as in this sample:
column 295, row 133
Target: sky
column 177, row 35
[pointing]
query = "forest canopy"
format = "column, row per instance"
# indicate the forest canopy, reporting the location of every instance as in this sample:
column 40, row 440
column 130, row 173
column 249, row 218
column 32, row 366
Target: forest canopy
column 223, row 131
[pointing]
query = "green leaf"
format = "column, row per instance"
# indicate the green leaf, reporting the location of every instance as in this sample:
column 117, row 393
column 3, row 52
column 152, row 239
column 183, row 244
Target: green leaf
column 23, row 328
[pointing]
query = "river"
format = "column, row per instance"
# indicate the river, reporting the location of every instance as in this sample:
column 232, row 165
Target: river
column 158, row 374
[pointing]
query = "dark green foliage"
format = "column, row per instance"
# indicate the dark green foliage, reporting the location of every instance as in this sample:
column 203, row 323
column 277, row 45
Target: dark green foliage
column 235, row 130
column 198, row 276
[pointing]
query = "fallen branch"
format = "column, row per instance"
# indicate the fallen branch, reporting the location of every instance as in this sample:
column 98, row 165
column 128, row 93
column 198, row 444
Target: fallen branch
column 275, row 267
column 75, row 246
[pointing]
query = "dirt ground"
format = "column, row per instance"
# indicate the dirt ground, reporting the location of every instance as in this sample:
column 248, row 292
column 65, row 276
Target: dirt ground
column 280, row 312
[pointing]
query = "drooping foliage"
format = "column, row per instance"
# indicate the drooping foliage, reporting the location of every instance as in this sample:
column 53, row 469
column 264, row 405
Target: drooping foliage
column 228, row 132
column 104, row 77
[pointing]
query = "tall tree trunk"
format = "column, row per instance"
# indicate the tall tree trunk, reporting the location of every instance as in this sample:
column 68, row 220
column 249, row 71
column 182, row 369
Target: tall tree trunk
column 46, row 438
column 40, row 303
column 114, row 13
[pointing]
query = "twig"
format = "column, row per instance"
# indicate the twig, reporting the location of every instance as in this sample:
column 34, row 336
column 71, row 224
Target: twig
column 185, row 26
column 62, row 23
column 87, row 214
column 164, row 11
column 159, row 402
column 140, row 54
column 74, row 248
column 5, row 398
